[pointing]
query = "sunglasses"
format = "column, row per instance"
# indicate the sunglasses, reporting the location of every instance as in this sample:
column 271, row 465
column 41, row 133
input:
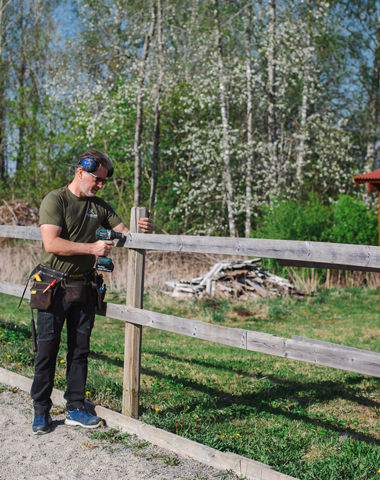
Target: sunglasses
column 101, row 180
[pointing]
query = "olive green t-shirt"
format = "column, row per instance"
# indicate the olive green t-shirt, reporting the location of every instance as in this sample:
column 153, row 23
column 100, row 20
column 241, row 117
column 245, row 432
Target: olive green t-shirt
column 79, row 218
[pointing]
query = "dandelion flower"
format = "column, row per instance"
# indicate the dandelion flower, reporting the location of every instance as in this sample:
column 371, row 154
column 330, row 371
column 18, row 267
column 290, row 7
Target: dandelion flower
column 19, row 364
column 157, row 409
column 238, row 435
column 9, row 343
column 8, row 356
column 350, row 393
column 222, row 436
column 107, row 389
column 87, row 393
column 140, row 403
column 1, row 335
column 20, row 353
column 62, row 361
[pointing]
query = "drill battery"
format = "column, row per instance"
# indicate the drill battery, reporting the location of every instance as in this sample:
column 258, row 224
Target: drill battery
column 104, row 264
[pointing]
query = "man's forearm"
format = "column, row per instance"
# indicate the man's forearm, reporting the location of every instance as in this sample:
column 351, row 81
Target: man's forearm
column 60, row 246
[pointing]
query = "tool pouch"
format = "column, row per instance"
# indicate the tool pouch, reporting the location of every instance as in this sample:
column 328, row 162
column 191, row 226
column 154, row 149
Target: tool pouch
column 101, row 295
column 98, row 294
column 39, row 300
column 76, row 293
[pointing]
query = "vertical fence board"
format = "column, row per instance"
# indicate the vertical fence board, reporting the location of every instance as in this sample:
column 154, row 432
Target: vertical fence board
column 133, row 332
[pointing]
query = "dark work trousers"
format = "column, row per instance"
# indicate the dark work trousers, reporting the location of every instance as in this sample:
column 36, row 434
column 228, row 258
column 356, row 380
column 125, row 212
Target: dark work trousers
column 79, row 322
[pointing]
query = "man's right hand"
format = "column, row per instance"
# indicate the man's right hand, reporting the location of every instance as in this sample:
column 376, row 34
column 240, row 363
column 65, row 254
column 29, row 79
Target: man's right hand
column 102, row 248
column 53, row 243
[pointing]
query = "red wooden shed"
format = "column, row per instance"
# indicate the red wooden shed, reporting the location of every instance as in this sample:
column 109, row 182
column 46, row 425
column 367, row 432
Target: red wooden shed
column 372, row 179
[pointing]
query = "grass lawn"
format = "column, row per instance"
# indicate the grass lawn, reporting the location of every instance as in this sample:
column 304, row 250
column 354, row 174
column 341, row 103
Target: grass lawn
column 306, row 421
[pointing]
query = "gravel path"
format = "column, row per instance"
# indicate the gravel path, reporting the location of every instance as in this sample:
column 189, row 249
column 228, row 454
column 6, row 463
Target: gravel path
column 69, row 452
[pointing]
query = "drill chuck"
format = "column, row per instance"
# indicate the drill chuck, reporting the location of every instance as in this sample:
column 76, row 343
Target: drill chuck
column 104, row 234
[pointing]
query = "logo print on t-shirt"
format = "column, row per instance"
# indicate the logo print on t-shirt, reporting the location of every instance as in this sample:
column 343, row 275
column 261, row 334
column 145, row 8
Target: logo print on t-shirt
column 91, row 213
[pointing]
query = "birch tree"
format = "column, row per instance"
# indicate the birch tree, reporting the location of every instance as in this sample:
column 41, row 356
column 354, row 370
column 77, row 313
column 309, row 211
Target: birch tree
column 139, row 106
column 157, row 106
column 3, row 85
column 250, row 153
column 272, row 121
column 225, row 145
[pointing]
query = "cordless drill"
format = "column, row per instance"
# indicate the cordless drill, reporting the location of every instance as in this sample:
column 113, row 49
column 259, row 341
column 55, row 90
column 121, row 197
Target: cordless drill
column 104, row 264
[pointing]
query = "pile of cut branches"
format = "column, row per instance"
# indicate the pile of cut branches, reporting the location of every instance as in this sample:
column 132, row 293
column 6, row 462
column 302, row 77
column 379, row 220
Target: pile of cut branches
column 18, row 212
column 236, row 279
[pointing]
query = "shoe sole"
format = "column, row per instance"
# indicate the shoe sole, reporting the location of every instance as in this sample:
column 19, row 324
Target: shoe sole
column 40, row 432
column 73, row 423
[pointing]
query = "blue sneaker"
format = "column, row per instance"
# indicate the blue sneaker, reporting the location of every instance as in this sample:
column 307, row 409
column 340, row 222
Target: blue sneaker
column 41, row 424
column 80, row 417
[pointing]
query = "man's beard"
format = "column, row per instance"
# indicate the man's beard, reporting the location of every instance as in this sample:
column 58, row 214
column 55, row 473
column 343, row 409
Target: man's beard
column 87, row 191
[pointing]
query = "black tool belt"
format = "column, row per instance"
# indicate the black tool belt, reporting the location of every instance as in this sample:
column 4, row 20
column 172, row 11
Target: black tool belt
column 75, row 285
column 67, row 277
column 64, row 279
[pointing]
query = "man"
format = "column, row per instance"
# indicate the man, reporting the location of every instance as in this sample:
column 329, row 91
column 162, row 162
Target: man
column 69, row 218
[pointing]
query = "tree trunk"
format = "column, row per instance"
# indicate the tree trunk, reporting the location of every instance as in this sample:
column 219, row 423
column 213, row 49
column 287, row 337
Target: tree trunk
column 2, row 133
column 248, row 181
column 2, row 94
column 304, row 108
column 374, row 103
column 139, row 107
column 272, row 124
column 21, row 79
column 156, row 133
column 227, row 175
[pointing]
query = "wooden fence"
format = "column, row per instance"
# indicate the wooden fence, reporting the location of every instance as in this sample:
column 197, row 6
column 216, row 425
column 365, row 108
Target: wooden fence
column 311, row 254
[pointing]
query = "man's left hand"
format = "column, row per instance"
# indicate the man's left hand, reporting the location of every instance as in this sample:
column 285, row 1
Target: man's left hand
column 146, row 224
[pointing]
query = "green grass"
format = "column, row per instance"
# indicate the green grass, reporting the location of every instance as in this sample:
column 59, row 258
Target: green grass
column 306, row 421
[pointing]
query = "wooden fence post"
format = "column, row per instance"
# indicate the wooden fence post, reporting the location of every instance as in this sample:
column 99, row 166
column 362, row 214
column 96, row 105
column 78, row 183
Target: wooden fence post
column 133, row 333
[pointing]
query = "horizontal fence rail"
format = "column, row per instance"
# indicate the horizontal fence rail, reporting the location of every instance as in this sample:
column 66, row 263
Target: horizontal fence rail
column 297, row 348
column 288, row 252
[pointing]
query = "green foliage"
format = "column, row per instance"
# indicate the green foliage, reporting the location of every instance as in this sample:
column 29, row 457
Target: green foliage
column 346, row 221
column 354, row 223
column 292, row 220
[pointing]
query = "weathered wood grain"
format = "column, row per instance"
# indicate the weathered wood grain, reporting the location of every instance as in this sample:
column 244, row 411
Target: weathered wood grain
column 251, row 469
column 133, row 332
column 29, row 233
column 334, row 255
column 359, row 362
column 305, row 264
column 316, row 352
column 333, row 345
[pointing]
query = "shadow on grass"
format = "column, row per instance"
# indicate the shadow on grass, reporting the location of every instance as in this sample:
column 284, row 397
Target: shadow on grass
column 284, row 392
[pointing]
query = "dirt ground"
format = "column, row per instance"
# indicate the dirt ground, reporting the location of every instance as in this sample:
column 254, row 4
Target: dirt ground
column 69, row 453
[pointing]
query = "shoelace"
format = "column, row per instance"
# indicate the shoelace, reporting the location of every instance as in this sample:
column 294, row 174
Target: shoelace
column 40, row 419
column 85, row 412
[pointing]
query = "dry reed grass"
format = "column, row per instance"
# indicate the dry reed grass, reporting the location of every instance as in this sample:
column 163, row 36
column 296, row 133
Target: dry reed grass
column 17, row 261
column 308, row 281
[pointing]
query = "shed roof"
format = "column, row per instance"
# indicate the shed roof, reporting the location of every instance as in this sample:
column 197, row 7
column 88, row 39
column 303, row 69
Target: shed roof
column 372, row 177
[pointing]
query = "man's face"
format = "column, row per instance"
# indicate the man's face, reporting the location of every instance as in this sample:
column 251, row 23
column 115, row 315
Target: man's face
column 90, row 185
